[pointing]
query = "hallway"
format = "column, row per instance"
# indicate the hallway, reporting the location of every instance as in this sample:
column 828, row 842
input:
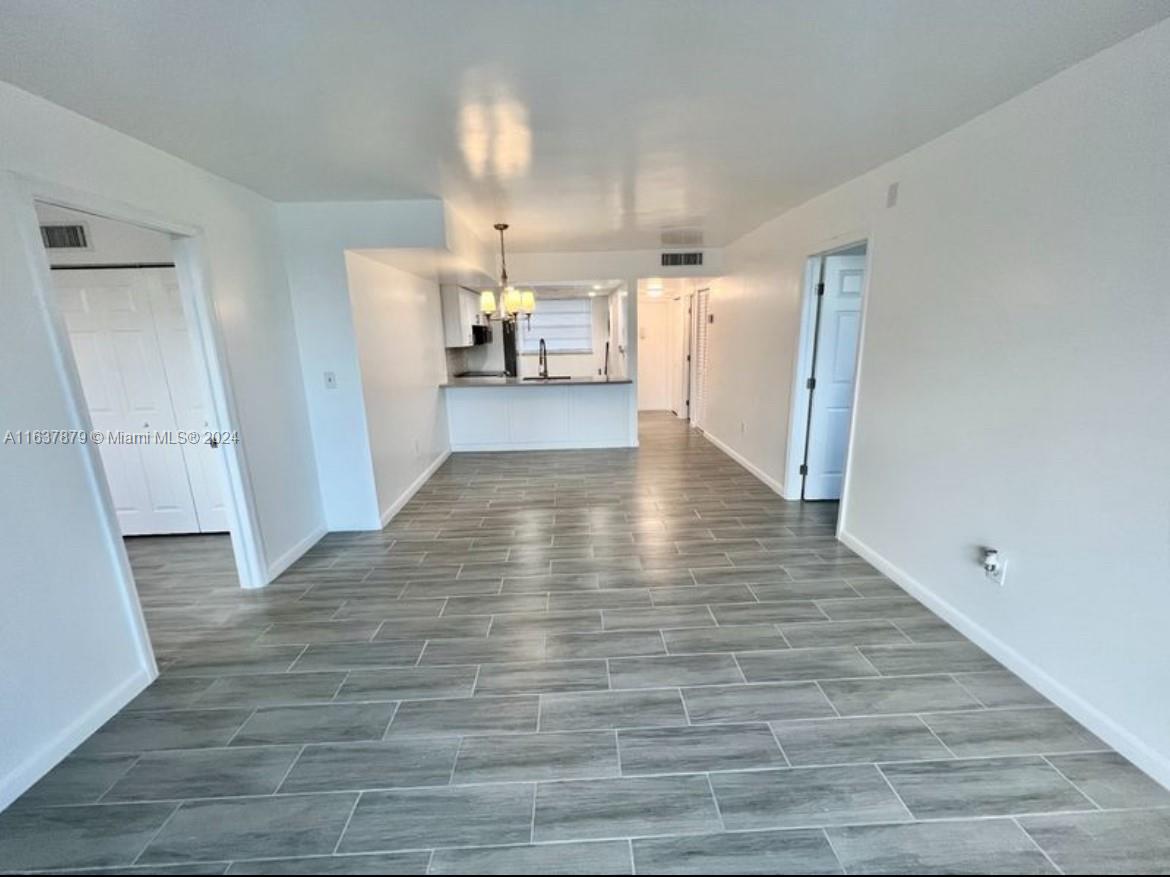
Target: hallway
column 578, row 662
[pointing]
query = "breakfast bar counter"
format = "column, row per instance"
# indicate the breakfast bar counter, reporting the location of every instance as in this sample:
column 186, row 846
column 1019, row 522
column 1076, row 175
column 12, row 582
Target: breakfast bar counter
column 512, row 414
column 534, row 382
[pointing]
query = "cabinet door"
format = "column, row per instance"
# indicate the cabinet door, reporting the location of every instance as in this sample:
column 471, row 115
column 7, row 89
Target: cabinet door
column 454, row 318
column 469, row 308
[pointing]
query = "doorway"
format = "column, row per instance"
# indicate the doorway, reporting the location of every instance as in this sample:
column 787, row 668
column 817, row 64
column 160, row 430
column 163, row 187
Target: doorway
column 672, row 345
column 136, row 329
column 826, row 370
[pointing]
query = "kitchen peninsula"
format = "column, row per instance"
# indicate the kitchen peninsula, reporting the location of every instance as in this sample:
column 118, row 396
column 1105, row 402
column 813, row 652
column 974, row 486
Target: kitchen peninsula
column 506, row 413
column 537, row 368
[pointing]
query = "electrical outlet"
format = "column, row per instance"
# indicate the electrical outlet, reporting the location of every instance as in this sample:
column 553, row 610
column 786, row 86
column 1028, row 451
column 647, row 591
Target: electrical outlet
column 999, row 574
column 994, row 565
column 330, row 381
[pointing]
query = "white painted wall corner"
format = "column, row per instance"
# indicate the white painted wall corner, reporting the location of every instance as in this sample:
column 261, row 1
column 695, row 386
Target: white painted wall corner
column 1136, row 750
column 395, row 507
column 776, row 486
column 288, row 558
column 32, row 768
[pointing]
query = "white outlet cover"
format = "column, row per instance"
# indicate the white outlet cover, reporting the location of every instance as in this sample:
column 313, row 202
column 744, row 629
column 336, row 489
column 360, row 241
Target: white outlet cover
column 1000, row 574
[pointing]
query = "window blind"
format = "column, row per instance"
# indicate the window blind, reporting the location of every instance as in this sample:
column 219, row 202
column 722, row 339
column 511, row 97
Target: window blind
column 565, row 324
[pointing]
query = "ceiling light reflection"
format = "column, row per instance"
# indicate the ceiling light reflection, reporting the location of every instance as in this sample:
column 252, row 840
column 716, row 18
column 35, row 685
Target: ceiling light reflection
column 495, row 138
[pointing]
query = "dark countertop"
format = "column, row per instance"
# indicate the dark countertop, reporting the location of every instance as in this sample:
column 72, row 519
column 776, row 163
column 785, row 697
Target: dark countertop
column 520, row 382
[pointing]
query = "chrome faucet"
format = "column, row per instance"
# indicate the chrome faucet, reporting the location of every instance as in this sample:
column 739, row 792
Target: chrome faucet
column 543, row 360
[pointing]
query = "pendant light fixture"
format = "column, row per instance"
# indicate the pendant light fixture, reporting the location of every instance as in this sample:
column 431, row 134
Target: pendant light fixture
column 510, row 301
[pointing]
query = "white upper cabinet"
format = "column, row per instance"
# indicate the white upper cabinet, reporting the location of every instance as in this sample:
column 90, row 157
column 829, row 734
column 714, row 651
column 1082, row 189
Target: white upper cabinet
column 460, row 310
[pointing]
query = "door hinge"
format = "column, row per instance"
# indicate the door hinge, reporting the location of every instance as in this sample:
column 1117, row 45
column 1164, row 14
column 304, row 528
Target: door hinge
column 821, row 288
column 810, row 384
column 803, row 468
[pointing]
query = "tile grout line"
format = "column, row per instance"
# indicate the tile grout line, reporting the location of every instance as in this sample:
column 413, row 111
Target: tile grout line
column 348, row 819
column 1015, row 820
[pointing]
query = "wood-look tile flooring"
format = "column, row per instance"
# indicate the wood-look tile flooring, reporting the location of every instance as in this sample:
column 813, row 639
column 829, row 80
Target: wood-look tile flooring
column 578, row 662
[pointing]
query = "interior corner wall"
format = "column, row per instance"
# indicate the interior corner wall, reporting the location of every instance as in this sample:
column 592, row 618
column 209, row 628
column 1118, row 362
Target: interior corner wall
column 1012, row 385
column 399, row 332
column 316, row 237
column 68, row 641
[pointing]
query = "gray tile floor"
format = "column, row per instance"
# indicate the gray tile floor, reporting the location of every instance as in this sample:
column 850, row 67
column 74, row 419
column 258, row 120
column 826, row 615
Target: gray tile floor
column 578, row 662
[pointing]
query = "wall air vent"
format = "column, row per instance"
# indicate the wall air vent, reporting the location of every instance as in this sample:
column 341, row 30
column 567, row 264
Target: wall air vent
column 64, row 237
column 675, row 260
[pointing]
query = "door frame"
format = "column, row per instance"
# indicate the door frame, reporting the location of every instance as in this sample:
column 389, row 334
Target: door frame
column 798, row 417
column 689, row 353
column 193, row 271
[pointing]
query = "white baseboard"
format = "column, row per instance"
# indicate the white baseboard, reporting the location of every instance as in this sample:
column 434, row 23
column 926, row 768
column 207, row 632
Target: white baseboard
column 1154, row 763
column 395, row 507
column 776, row 486
column 20, row 780
column 293, row 554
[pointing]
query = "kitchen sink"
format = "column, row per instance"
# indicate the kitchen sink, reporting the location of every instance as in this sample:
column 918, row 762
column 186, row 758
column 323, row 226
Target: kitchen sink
column 552, row 378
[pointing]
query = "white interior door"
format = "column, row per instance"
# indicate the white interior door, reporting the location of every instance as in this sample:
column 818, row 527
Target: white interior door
column 182, row 372
column 653, row 355
column 112, row 331
column 688, row 363
column 834, row 368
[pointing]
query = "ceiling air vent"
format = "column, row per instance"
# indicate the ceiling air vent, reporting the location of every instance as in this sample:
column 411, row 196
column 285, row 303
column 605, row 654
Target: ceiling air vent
column 674, row 260
column 64, row 237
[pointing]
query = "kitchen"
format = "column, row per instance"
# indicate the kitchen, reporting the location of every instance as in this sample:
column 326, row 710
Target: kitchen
column 543, row 366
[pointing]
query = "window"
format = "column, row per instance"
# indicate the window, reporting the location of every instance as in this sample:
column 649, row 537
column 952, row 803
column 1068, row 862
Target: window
column 565, row 324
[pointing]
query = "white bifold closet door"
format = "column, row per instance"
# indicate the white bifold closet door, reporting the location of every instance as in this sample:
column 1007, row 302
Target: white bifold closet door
column 139, row 374
column 699, row 359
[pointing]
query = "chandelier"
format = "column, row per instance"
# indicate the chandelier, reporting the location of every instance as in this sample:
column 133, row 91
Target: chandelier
column 505, row 301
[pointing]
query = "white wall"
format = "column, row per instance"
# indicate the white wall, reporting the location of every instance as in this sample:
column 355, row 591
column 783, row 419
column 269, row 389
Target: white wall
column 420, row 233
column 1013, row 386
column 654, row 354
column 315, row 238
column 69, row 618
column 399, row 333
column 110, row 242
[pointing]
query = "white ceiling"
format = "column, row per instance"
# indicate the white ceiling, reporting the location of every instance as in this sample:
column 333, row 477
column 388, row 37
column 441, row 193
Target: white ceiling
column 587, row 124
